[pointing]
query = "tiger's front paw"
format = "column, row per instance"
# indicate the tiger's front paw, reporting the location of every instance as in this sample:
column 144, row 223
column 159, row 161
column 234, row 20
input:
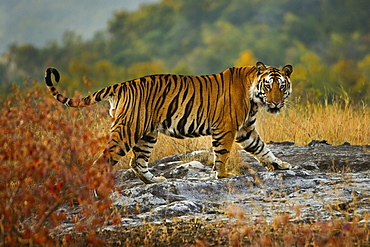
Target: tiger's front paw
column 149, row 178
column 278, row 165
column 285, row 166
column 153, row 180
column 159, row 179
column 217, row 175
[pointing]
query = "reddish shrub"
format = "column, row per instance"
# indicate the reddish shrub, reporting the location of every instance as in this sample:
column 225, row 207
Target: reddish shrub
column 46, row 156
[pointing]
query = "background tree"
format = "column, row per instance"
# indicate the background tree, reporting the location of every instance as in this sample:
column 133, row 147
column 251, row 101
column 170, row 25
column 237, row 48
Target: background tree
column 326, row 41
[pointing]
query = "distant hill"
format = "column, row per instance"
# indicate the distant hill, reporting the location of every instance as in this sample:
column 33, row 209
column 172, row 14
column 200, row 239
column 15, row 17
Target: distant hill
column 36, row 22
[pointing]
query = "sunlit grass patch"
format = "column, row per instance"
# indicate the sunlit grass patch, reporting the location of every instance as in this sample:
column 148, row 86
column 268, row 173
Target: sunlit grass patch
column 337, row 123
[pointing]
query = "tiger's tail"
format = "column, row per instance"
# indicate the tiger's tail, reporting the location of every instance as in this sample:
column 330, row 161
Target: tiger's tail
column 71, row 102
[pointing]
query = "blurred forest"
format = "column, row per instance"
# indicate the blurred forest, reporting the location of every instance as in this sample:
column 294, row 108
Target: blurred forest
column 326, row 41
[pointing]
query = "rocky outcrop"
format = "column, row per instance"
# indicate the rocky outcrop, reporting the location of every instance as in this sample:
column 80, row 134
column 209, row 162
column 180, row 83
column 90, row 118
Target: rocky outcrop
column 325, row 181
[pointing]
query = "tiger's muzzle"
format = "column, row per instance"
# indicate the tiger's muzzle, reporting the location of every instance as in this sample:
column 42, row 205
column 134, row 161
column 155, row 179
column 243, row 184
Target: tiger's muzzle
column 274, row 106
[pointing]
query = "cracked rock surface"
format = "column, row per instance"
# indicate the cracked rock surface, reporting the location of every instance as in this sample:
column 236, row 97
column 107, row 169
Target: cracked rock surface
column 326, row 181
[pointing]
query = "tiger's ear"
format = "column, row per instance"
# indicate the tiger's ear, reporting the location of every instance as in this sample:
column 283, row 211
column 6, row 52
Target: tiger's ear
column 260, row 67
column 288, row 70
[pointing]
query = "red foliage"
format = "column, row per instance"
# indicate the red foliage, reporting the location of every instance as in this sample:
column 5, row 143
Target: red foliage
column 46, row 156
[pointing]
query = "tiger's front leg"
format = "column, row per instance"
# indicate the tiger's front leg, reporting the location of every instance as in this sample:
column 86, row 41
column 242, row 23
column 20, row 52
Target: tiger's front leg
column 251, row 142
column 222, row 143
column 139, row 163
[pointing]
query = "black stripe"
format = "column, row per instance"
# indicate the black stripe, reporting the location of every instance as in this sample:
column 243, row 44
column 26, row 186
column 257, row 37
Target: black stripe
column 107, row 90
column 222, row 151
column 87, row 100
column 121, row 152
column 120, row 91
column 244, row 137
column 252, row 148
column 173, row 106
column 263, row 155
column 184, row 119
column 216, row 143
column 191, row 127
column 222, row 136
column 139, row 150
column 143, row 157
column 149, row 139
column 115, row 86
column 259, row 150
column 250, row 123
column 98, row 95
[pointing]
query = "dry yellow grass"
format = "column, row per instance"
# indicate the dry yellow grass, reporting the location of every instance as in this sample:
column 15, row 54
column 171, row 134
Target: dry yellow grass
column 301, row 124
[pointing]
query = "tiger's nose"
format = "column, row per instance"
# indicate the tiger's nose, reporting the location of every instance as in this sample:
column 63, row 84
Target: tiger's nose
column 276, row 103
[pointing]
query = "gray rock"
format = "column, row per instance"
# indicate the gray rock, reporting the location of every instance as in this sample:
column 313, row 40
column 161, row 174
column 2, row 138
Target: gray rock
column 326, row 181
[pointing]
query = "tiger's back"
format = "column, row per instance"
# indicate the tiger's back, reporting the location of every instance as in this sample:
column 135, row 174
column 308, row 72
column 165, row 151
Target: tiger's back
column 182, row 106
column 222, row 105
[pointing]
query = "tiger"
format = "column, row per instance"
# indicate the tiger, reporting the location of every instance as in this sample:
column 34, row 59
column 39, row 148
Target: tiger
column 223, row 106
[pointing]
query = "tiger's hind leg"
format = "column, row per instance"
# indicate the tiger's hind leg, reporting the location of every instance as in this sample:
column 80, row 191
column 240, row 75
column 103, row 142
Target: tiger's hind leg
column 139, row 163
column 111, row 155
column 251, row 142
column 116, row 148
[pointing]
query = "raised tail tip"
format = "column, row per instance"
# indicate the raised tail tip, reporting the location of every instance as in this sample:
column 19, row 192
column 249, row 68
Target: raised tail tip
column 48, row 73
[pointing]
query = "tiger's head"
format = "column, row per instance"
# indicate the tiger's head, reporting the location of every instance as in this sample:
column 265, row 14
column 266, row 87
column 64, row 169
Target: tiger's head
column 271, row 87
